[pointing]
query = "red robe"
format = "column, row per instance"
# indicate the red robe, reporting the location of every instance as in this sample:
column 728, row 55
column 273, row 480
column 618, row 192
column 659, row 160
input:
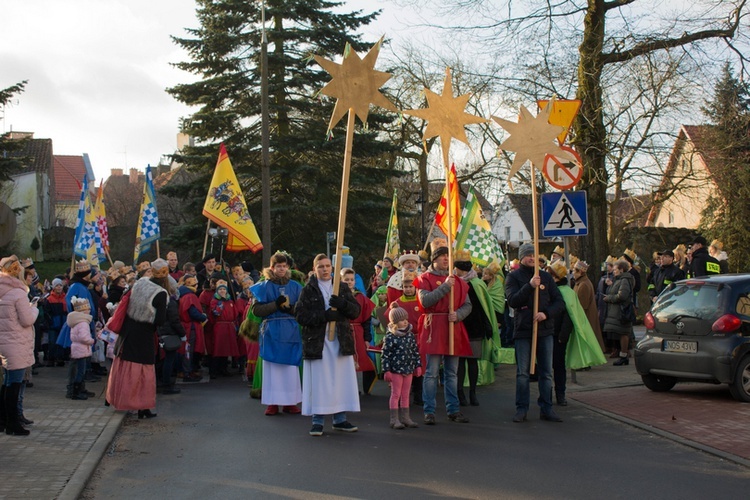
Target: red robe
column 361, row 358
column 205, row 299
column 187, row 300
column 240, row 306
column 414, row 309
column 225, row 328
column 433, row 324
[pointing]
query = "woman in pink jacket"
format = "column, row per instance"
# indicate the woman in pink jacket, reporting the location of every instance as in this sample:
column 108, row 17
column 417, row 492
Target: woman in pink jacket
column 79, row 321
column 17, row 317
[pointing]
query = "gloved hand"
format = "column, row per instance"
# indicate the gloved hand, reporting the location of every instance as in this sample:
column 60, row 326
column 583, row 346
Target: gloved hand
column 332, row 315
column 183, row 339
column 337, row 301
column 417, row 372
column 387, row 376
column 280, row 301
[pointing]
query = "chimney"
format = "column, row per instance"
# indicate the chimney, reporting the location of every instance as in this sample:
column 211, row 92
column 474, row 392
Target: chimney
column 133, row 176
column 116, row 172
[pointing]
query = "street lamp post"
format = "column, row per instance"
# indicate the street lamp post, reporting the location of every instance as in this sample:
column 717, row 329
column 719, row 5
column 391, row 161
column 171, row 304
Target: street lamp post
column 420, row 206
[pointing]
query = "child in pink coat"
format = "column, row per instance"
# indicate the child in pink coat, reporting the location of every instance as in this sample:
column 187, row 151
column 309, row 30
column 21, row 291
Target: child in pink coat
column 79, row 321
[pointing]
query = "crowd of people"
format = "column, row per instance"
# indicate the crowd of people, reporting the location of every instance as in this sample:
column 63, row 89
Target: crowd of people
column 311, row 349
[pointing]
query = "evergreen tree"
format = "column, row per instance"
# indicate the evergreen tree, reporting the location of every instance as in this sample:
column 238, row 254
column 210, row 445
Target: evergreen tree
column 10, row 164
column 727, row 153
column 305, row 164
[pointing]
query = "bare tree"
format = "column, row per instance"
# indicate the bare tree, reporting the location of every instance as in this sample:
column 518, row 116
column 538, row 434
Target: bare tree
column 610, row 38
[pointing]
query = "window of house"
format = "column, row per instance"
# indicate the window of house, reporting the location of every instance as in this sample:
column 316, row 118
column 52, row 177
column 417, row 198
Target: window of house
column 671, row 217
column 507, row 233
column 520, row 235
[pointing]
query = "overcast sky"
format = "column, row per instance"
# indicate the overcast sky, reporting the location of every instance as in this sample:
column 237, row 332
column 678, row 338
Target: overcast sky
column 96, row 72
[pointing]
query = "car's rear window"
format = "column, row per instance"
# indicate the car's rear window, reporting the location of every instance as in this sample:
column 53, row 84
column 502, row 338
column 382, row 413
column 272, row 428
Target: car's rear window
column 695, row 300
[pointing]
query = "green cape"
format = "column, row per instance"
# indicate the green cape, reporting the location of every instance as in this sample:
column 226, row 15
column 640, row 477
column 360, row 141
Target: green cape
column 583, row 348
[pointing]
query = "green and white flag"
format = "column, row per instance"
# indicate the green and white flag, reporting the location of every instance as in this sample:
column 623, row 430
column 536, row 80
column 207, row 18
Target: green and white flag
column 475, row 235
column 392, row 243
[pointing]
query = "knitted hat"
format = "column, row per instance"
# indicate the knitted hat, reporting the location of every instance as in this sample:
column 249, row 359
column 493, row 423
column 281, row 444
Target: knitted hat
column 56, row 282
column 80, row 305
column 408, row 276
column 221, row 284
column 27, row 263
column 397, row 313
column 439, row 246
column 118, row 264
column 525, row 250
column 582, row 266
column 559, row 250
column 159, row 268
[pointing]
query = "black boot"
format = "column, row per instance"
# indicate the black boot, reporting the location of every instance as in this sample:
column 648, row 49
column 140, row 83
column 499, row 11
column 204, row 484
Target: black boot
column 561, row 401
column 78, row 393
column 473, row 397
column 462, row 398
column 86, row 392
column 145, row 414
column 13, row 426
column 3, row 420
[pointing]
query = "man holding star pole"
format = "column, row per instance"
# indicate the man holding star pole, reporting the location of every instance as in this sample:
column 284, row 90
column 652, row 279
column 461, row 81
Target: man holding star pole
column 442, row 335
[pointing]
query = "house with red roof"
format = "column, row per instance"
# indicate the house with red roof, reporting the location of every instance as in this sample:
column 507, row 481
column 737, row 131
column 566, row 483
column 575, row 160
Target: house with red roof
column 69, row 171
column 687, row 182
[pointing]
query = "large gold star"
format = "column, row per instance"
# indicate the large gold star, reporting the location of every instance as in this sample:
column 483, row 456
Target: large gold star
column 445, row 115
column 532, row 138
column 355, row 84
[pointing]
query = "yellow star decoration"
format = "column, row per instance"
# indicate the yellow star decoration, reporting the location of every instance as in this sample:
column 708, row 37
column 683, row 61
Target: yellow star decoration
column 532, row 138
column 355, row 84
column 445, row 115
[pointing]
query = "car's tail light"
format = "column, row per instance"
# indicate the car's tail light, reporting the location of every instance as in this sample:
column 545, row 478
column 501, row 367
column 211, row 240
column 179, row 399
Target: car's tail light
column 726, row 324
column 648, row 321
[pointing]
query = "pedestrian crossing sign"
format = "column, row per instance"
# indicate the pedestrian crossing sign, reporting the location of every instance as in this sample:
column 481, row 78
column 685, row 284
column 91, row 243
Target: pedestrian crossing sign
column 564, row 214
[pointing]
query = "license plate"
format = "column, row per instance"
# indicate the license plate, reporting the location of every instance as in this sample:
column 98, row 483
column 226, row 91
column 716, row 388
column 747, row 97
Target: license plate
column 680, row 346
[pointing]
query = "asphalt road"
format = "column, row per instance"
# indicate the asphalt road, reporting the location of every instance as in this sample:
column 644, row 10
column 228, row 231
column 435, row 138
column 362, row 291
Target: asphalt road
column 213, row 441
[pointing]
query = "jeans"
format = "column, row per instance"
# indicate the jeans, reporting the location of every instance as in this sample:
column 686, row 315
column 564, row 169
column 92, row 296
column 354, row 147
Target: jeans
column 13, row 376
column 167, row 367
column 544, row 349
column 338, row 418
column 429, row 391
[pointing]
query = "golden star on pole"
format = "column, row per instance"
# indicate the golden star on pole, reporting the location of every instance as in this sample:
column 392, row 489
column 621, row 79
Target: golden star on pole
column 355, row 84
column 532, row 138
column 445, row 115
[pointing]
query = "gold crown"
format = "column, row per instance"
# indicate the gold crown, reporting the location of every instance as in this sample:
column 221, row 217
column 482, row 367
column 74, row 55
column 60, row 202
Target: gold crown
column 143, row 266
column 558, row 270
column 438, row 243
column 582, row 266
column 462, row 256
column 559, row 250
column 82, row 266
column 80, row 304
column 408, row 276
column 493, row 267
column 630, row 253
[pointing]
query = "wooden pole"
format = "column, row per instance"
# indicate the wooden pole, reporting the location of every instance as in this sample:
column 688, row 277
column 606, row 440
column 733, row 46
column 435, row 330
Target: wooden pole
column 109, row 258
column 427, row 236
column 448, row 207
column 342, row 212
column 535, row 218
column 205, row 241
column 158, row 253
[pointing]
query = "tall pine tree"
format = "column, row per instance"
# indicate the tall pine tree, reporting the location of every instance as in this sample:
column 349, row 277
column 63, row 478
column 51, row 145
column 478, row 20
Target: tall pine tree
column 306, row 165
column 727, row 214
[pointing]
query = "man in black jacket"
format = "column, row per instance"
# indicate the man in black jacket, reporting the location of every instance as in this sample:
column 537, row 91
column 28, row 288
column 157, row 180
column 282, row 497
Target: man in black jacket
column 702, row 264
column 666, row 274
column 520, row 292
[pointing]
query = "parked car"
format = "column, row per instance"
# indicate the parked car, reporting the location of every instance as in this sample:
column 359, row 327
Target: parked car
column 698, row 330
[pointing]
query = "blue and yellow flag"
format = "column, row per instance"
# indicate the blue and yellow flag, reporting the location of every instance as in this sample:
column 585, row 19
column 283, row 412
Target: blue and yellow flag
column 148, row 229
column 225, row 205
column 88, row 240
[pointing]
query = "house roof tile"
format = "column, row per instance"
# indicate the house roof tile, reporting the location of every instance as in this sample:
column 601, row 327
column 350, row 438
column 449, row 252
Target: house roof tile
column 69, row 172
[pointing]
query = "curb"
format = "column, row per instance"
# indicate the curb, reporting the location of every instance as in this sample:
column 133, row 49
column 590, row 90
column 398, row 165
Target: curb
column 80, row 478
column 667, row 435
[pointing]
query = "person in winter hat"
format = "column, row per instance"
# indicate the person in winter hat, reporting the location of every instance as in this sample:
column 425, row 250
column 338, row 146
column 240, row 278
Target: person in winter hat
column 400, row 363
column 81, row 340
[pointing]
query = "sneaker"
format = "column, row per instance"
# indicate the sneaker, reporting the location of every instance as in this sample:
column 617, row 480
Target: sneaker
column 292, row 410
column 316, row 430
column 458, row 417
column 429, row 419
column 345, row 426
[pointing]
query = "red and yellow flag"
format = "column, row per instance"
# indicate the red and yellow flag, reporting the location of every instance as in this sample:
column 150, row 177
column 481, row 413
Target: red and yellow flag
column 225, row 205
column 441, row 216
